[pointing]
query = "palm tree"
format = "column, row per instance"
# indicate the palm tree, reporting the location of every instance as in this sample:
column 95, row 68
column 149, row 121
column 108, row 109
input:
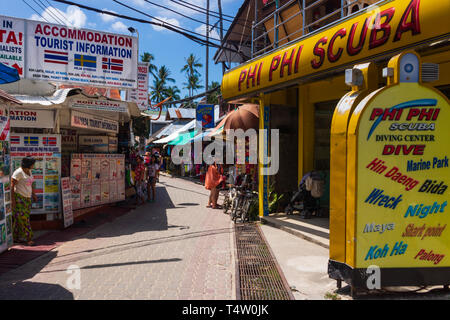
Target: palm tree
column 159, row 90
column 213, row 98
column 173, row 92
column 164, row 75
column 192, row 63
column 148, row 57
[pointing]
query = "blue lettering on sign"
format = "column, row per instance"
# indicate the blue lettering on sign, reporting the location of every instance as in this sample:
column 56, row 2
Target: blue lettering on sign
column 376, row 252
column 421, row 211
column 378, row 197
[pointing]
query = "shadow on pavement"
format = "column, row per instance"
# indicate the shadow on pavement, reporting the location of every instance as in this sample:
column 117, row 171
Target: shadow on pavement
column 35, row 291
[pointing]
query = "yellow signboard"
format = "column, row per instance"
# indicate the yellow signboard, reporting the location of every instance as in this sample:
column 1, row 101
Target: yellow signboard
column 386, row 28
column 400, row 201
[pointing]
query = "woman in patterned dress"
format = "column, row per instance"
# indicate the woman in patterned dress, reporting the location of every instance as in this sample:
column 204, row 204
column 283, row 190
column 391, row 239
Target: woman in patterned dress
column 21, row 193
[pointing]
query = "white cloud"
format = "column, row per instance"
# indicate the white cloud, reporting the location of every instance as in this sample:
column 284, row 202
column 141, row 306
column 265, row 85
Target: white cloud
column 107, row 17
column 73, row 16
column 119, row 26
column 212, row 34
column 172, row 21
column 141, row 3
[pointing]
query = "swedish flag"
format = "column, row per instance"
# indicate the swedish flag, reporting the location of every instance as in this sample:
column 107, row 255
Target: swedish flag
column 82, row 60
column 31, row 141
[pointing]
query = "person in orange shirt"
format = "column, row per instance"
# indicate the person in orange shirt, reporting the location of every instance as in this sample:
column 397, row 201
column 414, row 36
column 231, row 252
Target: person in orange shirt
column 212, row 180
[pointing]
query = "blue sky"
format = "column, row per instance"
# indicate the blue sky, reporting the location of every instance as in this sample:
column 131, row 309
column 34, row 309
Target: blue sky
column 169, row 48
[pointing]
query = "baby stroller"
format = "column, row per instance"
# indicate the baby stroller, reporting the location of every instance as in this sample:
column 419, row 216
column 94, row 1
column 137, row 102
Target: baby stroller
column 306, row 199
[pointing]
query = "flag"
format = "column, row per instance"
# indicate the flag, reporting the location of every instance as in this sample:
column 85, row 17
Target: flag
column 82, row 60
column 59, row 57
column 49, row 141
column 15, row 140
column 112, row 64
column 31, row 141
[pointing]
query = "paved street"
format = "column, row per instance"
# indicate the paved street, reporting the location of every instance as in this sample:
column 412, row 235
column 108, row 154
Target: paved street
column 174, row 248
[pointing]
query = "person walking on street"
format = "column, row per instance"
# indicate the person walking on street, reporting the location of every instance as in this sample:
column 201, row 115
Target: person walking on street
column 151, row 178
column 21, row 193
column 212, row 180
column 139, row 178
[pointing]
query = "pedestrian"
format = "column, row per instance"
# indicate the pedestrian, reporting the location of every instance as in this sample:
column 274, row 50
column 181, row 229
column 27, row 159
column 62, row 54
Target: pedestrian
column 151, row 179
column 212, row 180
column 139, row 178
column 21, row 193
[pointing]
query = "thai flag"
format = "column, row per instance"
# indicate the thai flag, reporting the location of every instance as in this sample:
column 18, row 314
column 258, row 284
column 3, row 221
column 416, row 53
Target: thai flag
column 15, row 140
column 31, row 141
column 112, row 64
column 49, row 141
column 59, row 57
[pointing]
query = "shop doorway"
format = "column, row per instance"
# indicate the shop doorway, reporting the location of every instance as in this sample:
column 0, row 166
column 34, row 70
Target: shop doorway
column 285, row 119
column 323, row 115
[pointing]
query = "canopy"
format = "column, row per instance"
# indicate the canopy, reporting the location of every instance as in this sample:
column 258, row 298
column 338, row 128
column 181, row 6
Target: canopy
column 175, row 134
column 183, row 138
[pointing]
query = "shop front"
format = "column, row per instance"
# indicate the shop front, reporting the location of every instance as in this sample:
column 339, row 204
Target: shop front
column 323, row 77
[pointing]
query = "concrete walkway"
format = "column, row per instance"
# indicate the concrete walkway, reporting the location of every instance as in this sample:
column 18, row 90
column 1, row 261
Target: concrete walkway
column 174, row 248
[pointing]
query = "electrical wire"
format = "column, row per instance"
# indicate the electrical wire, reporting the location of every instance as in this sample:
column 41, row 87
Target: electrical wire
column 57, row 11
column 155, row 18
column 162, row 25
column 186, row 4
column 32, row 8
column 42, row 6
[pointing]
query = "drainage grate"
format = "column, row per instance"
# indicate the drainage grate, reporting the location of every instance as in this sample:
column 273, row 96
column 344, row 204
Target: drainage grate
column 260, row 277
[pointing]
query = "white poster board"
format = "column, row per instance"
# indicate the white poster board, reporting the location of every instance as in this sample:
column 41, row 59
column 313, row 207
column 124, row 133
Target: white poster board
column 12, row 38
column 140, row 95
column 66, row 197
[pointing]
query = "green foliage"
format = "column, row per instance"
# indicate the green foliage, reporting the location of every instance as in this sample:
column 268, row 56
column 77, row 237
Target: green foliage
column 274, row 199
column 214, row 97
column 253, row 211
column 192, row 74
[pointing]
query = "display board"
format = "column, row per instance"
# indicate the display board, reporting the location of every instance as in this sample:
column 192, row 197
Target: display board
column 66, row 195
column 6, row 234
column 401, row 210
column 97, row 179
column 205, row 116
column 46, row 149
column 140, row 95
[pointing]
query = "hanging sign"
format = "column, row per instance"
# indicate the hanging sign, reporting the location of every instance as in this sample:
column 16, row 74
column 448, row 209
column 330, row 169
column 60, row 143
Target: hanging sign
column 12, row 38
column 27, row 118
column 62, row 54
column 99, row 105
column 88, row 121
column 140, row 95
column 205, row 116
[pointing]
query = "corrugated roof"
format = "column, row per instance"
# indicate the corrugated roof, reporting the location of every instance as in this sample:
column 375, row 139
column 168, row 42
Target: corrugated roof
column 8, row 97
column 176, row 133
column 58, row 97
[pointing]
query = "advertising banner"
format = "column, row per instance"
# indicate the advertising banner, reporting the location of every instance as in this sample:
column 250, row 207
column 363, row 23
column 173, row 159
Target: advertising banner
column 403, row 174
column 66, row 194
column 62, row 54
column 140, row 95
column 88, row 121
column 6, row 236
column 97, row 144
column 100, row 105
column 46, row 149
column 12, row 38
column 23, row 118
column 205, row 116
column 97, row 178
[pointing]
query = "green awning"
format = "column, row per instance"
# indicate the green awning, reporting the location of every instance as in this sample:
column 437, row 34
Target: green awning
column 183, row 138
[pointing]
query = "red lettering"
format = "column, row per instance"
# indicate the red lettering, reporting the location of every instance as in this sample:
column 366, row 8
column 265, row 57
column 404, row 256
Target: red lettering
column 436, row 113
column 427, row 113
column 46, row 30
column 419, row 150
column 355, row 50
column 55, row 31
column 384, row 27
column 413, row 112
column 251, row 75
column 320, row 52
column 11, row 38
column 38, row 29
column 297, row 58
column 389, row 113
column 242, row 78
column 335, row 57
column 413, row 25
column 388, row 149
column 286, row 62
column 259, row 74
column 274, row 65
column 375, row 113
column 416, row 150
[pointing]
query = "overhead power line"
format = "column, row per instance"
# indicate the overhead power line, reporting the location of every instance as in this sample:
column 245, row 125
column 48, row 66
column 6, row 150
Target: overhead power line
column 57, row 11
column 32, row 8
column 186, row 4
column 50, row 13
column 162, row 25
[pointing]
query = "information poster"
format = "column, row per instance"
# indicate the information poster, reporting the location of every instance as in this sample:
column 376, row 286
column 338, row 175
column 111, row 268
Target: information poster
column 66, row 195
column 102, row 179
column 6, row 236
column 46, row 149
column 403, row 175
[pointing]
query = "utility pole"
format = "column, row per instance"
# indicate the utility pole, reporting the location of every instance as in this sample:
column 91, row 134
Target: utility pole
column 207, row 47
column 219, row 4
